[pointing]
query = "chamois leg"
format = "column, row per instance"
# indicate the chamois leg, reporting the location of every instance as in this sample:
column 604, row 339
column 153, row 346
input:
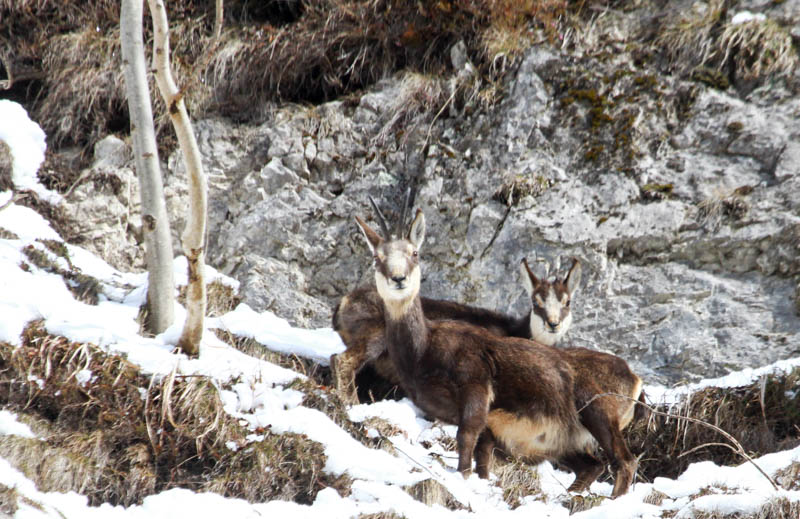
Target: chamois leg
column 483, row 453
column 599, row 418
column 586, row 468
column 471, row 423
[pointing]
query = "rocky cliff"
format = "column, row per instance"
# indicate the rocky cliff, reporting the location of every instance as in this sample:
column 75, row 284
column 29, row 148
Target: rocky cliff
column 673, row 177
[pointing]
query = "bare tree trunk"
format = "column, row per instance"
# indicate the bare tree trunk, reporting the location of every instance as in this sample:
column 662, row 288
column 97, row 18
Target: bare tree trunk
column 155, row 223
column 194, row 234
column 219, row 19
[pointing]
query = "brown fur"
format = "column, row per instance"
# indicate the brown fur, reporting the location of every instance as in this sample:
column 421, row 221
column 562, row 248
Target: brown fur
column 498, row 390
column 359, row 320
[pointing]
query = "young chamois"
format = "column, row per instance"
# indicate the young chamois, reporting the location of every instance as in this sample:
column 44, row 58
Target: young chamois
column 517, row 394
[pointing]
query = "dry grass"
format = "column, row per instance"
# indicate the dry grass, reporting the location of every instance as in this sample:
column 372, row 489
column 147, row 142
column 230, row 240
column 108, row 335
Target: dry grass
column 126, row 436
column 220, row 298
column 319, row 374
column 517, row 478
column 704, row 37
column 85, row 288
column 6, row 167
column 308, row 51
column 778, row 508
column 431, row 492
column 758, row 49
column 418, row 94
column 724, row 204
column 519, row 186
column 763, row 417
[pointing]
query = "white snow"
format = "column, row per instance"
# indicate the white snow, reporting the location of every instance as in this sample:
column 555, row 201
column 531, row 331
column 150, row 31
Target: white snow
column 257, row 394
column 746, row 16
column 27, row 142
column 10, row 426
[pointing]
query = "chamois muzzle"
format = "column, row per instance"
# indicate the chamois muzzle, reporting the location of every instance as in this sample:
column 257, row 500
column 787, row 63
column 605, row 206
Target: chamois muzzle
column 399, row 280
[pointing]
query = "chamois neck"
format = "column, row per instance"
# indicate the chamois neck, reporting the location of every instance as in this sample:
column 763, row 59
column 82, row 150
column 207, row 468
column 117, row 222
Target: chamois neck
column 406, row 331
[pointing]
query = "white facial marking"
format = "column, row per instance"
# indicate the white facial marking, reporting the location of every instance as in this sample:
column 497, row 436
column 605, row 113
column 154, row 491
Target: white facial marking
column 398, row 293
column 541, row 329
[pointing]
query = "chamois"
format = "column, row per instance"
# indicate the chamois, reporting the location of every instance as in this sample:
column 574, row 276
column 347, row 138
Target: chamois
column 358, row 318
column 523, row 396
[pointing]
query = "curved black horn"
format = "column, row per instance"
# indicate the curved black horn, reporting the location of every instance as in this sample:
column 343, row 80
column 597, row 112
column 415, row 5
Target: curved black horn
column 381, row 219
column 401, row 223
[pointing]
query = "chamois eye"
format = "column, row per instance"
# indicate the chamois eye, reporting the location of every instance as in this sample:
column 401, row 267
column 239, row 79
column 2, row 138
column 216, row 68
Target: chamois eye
column 414, row 254
column 568, row 302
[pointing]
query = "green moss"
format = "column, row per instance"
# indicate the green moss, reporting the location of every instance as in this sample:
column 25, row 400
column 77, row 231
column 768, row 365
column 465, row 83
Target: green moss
column 656, row 191
column 735, row 127
column 567, row 100
column 587, row 94
column 599, row 117
column 711, row 77
column 645, row 81
column 593, row 152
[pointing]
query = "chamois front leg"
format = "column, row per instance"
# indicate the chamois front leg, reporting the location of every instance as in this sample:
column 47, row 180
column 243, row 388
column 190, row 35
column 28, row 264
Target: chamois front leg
column 472, row 422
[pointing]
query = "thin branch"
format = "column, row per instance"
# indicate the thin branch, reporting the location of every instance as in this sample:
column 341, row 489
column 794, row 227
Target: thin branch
column 703, row 446
column 738, row 446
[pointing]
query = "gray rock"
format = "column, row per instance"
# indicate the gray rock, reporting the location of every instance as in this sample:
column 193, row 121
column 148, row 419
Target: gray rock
column 688, row 231
column 111, row 152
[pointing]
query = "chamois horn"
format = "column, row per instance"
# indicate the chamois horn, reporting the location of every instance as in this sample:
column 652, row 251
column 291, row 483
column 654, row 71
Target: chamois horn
column 401, row 223
column 381, row 219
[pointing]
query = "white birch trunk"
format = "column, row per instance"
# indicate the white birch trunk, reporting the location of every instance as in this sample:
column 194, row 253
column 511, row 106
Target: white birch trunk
column 194, row 234
column 155, row 223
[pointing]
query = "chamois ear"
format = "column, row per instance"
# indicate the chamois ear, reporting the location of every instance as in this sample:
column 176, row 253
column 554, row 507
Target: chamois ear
column 573, row 279
column 373, row 239
column 529, row 280
column 416, row 235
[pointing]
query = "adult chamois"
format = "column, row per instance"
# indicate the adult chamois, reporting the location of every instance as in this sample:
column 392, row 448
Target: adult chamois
column 523, row 396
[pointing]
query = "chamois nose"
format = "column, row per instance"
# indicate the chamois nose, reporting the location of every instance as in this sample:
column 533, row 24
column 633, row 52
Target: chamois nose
column 398, row 279
column 552, row 325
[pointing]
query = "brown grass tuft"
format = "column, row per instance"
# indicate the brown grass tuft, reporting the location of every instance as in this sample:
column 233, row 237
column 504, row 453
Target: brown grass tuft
column 125, row 435
column 517, row 478
column 319, row 374
column 66, row 56
column 778, row 508
column 220, row 298
column 702, row 36
column 85, row 288
column 431, row 492
column 761, row 416
column 722, row 205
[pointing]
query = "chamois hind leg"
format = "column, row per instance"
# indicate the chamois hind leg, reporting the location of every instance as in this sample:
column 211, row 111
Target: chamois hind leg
column 600, row 419
column 483, row 453
column 586, row 468
column 471, row 423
